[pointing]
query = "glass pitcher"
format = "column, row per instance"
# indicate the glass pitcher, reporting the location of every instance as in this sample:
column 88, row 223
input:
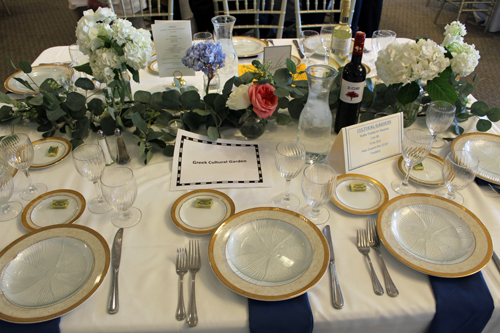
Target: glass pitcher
column 315, row 122
column 223, row 29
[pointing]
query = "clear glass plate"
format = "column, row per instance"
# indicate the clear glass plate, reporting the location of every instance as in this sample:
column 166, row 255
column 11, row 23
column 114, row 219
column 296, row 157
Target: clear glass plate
column 488, row 153
column 433, row 234
column 268, row 252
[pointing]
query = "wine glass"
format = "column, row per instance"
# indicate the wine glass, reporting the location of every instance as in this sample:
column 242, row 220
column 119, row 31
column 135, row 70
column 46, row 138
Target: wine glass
column 382, row 38
column 90, row 162
column 120, row 190
column 309, row 43
column 202, row 37
column 318, row 184
column 8, row 210
column 459, row 170
column 289, row 158
column 416, row 146
column 77, row 57
column 326, row 40
column 439, row 117
column 18, row 152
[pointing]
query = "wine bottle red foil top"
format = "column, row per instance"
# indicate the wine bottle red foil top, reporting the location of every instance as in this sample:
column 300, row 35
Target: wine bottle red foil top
column 359, row 43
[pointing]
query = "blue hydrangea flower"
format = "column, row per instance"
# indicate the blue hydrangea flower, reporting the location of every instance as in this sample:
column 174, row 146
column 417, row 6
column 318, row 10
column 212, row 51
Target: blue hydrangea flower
column 206, row 57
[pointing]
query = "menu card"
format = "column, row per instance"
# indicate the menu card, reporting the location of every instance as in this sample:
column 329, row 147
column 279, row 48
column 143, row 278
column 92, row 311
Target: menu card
column 277, row 55
column 172, row 39
column 200, row 163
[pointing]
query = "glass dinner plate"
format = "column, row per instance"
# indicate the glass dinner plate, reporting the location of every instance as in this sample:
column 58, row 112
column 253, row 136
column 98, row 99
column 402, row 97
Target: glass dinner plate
column 38, row 74
column 38, row 214
column 366, row 202
column 431, row 175
column 268, row 254
column 51, row 271
column 41, row 148
column 201, row 220
column 153, row 67
column 434, row 235
column 248, row 46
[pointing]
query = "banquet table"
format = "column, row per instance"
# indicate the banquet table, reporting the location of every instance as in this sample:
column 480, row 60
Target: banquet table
column 148, row 281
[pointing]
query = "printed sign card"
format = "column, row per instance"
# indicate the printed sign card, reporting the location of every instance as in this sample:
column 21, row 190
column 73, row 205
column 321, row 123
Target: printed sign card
column 362, row 144
column 277, row 55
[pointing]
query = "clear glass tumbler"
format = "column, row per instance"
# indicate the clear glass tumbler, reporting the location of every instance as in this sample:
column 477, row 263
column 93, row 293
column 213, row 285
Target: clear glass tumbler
column 318, row 185
column 8, row 209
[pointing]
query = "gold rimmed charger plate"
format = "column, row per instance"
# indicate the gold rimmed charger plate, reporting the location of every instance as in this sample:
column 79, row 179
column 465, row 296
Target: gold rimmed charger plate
column 41, row 147
column 201, row 220
column 479, row 257
column 93, row 242
column 365, row 202
column 248, row 46
column 153, row 67
column 38, row 214
column 430, row 176
column 461, row 141
column 308, row 279
column 38, row 74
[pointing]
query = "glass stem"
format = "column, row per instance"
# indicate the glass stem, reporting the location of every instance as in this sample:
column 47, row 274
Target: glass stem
column 31, row 186
column 405, row 181
column 450, row 195
column 286, row 197
column 5, row 208
column 315, row 212
column 97, row 185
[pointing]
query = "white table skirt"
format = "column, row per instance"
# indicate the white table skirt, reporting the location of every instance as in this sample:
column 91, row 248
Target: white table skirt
column 148, row 282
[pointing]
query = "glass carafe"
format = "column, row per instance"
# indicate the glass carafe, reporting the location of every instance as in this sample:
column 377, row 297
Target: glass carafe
column 315, row 122
column 223, row 29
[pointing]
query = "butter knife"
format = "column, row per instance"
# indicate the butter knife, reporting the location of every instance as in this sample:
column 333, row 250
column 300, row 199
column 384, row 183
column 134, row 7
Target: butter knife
column 298, row 49
column 115, row 258
column 337, row 298
column 496, row 260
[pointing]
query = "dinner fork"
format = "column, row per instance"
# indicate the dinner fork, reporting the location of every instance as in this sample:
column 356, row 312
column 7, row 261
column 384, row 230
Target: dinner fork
column 194, row 265
column 181, row 268
column 364, row 248
column 374, row 240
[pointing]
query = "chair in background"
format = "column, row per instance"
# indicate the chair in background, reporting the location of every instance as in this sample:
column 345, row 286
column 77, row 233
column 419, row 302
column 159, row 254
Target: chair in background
column 467, row 6
column 326, row 7
column 154, row 9
column 6, row 8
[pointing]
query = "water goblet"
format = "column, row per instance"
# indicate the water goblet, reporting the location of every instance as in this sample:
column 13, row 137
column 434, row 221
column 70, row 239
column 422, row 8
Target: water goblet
column 459, row 170
column 326, row 40
column 120, row 190
column 318, row 185
column 416, row 146
column 382, row 38
column 17, row 150
column 77, row 58
column 439, row 117
column 309, row 43
column 90, row 162
column 8, row 210
column 289, row 158
column 202, row 37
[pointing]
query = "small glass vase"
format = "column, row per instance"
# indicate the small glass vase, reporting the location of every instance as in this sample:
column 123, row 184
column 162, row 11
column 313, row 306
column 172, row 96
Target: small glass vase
column 253, row 127
column 211, row 86
column 410, row 110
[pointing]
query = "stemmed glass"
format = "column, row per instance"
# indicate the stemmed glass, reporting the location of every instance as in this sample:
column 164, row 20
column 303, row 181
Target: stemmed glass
column 18, row 152
column 77, row 58
column 318, row 184
column 8, row 210
column 459, row 170
column 90, row 162
column 326, row 40
column 382, row 38
column 289, row 158
column 416, row 146
column 309, row 43
column 120, row 190
column 202, row 37
column 439, row 117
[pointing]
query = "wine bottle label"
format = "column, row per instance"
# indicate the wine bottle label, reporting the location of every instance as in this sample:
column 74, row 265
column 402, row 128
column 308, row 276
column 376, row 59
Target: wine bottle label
column 351, row 92
column 341, row 47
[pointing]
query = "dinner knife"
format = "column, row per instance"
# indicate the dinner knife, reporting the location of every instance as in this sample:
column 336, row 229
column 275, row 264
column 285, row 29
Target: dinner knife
column 337, row 298
column 115, row 262
column 298, row 49
column 496, row 260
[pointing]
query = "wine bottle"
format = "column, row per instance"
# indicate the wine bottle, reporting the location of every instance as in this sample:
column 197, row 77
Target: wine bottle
column 351, row 86
column 341, row 38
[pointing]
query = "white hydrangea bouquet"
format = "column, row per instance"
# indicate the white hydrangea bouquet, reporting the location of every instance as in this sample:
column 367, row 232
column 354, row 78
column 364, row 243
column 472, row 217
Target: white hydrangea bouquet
column 438, row 68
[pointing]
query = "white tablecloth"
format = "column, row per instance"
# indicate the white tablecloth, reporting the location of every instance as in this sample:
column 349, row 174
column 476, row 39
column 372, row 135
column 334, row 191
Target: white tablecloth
column 148, row 282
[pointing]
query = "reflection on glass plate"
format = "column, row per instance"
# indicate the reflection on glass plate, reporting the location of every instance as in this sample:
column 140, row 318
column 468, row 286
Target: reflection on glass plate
column 248, row 46
column 153, row 67
column 431, row 175
column 41, row 149
column 365, row 202
column 201, row 220
column 38, row 74
column 268, row 252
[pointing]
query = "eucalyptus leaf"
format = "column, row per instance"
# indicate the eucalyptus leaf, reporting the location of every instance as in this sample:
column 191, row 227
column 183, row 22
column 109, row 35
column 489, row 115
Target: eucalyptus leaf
column 142, row 96
column 228, row 86
column 366, row 116
column 190, row 99
column 494, row 114
column 68, row 131
column 140, row 123
column 82, row 127
column 246, row 78
column 25, row 66
column 24, row 83
column 163, row 118
column 11, row 63
column 54, row 115
column 36, row 101
column 108, row 126
column 95, row 106
column 119, row 122
column 149, row 156
column 283, row 119
column 171, row 99
column 75, row 101
column 169, row 150
column 283, row 103
column 213, row 133
column 283, row 77
column 281, row 92
column 483, row 125
column 84, row 83
column 85, row 68
column 49, row 85
column 295, row 108
column 290, row 65
column 152, row 135
column 50, row 134
column 157, row 101
column 5, row 99
column 202, row 112
column 142, row 149
column 5, row 112
column 479, row 108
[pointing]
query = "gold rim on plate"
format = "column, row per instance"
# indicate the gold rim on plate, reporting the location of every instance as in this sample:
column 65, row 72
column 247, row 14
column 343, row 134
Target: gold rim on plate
column 430, row 157
column 61, row 156
column 26, row 216
column 381, row 190
column 9, row 83
column 100, row 249
column 258, row 43
column 152, row 68
column 480, row 256
column 179, row 204
column 224, row 272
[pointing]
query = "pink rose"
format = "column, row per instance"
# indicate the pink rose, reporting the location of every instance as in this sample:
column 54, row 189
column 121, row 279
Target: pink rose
column 263, row 99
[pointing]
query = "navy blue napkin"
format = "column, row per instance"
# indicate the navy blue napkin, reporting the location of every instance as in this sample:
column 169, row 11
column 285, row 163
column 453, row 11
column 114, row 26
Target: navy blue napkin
column 482, row 182
column 462, row 304
column 50, row 326
column 291, row 316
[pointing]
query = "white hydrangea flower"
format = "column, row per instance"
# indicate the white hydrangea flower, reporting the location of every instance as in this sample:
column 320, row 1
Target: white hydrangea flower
column 465, row 58
column 454, row 32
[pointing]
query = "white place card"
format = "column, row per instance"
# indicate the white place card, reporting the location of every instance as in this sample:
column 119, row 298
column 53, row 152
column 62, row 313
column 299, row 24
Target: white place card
column 172, row 39
column 362, row 144
column 277, row 55
column 200, row 163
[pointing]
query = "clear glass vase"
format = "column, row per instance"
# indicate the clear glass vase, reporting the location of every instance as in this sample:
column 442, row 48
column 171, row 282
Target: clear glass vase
column 223, row 30
column 315, row 122
column 211, row 85
column 253, row 127
column 410, row 110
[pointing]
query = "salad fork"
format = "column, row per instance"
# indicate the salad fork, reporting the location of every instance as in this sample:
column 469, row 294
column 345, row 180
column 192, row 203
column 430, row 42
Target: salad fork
column 374, row 240
column 364, row 249
column 194, row 265
column 181, row 269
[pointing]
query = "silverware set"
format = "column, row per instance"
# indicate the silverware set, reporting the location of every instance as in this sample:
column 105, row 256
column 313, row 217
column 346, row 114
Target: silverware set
column 188, row 260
